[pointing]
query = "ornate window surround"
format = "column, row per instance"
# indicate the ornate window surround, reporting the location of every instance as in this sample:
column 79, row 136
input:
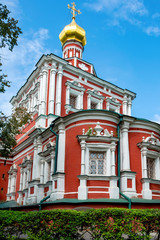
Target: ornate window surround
column 150, row 148
column 95, row 97
column 47, row 158
column 113, row 104
column 76, row 89
column 11, row 192
column 100, row 140
column 25, row 177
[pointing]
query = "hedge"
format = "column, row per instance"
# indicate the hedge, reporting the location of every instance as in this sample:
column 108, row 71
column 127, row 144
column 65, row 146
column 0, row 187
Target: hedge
column 70, row 224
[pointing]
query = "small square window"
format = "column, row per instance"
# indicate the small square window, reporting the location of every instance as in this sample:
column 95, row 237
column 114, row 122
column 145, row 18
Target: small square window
column 93, row 105
column 151, row 168
column 97, row 163
column 73, row 100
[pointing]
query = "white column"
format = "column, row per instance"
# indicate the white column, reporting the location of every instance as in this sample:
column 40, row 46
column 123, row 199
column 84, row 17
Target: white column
column 68, row 95
column 14, row 181
column 144, row 162
column 113, row 148
column 61, row 149
column 28, row 174
column 107, row 105
column 129, row 107
column 125, row 105
column 83, row 148
column 125, row 147
column 89, row 102
column 39, row 149
column 44, row 90
column 9, row 184
column 34, row 160
column 81, row 99
column 52, row 89
column 45, row 172
column 21, row 180
column 59, row 90
column 157, row 168
column 52, row 164
column 42, row 172
column 24, row 180
column 101, row 104
column 40, row 94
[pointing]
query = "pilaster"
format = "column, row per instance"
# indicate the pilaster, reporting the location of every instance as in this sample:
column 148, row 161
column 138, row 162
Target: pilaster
column 52, row 88
column 59, row 90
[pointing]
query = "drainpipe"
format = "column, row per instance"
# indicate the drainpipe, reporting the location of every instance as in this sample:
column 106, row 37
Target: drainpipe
column 56, row 152
column 44, row 199
column 119, row 169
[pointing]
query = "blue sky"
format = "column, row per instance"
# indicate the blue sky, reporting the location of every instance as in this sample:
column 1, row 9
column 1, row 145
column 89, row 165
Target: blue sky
column 123, row 43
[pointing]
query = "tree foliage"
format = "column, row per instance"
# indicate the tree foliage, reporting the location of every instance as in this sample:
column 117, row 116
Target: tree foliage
column 10, row 127
column 9, row 32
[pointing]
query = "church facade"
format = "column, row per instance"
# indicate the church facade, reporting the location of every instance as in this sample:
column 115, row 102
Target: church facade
column 82, row 145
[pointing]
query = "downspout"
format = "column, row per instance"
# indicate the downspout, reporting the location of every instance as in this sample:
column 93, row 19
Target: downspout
column 119, row 168
column 56, row 152
column 44, row 199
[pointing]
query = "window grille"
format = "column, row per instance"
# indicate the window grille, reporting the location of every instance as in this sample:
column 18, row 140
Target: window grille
column 151, row 168
column 97, row 163
column 93, row 105
column 73, row 100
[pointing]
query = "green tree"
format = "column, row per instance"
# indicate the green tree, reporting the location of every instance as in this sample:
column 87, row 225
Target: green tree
column 9, row 126
column 9, row 32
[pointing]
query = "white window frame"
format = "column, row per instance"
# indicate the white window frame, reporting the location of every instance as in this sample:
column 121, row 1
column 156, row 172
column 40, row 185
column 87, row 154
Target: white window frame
column 95, row 97
column 112, row 105
column 96, row 147
column 74, row 88
column 153, row 155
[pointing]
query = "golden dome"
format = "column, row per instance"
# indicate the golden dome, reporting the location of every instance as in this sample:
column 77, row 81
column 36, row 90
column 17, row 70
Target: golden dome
column 73, row 32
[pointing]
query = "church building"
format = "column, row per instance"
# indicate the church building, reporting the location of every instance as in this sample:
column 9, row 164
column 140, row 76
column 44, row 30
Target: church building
column 83, row 147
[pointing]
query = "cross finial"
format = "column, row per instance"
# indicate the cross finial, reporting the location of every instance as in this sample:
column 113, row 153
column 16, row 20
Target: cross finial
column 74, row 10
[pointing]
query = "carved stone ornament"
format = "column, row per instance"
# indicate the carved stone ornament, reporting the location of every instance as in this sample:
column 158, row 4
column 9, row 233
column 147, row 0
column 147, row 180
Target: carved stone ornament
column 151, row 139
column 97, row 131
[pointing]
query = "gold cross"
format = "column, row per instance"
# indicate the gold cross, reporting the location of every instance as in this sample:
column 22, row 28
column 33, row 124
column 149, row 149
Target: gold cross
column 74, row 10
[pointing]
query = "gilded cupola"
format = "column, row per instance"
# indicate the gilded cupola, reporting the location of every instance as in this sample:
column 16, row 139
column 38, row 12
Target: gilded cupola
column 72, row 34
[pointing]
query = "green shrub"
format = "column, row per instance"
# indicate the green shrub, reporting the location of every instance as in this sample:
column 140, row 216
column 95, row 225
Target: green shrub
column 69, row 224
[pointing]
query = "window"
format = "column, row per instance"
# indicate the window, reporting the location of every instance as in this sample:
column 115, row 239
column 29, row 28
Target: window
column 3, row 176
column 74, row 96
column 73, row 101
column 113, row 104
column 151, row 168
column 95, row 99
column 93, row 105
column 1, row 189
column 97, row 163
column 4, row 162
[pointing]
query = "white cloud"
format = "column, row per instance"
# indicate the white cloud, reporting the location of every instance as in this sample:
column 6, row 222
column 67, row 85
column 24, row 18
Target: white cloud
column 156, row 15
column 156, row 118
column 19, row 64
column 120, row 8
column 121, row 11
column 153, row 31
column 13, row 7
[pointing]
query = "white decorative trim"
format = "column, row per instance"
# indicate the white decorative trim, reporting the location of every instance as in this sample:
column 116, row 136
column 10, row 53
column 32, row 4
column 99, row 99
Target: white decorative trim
column 96, row 88
column 83, row 66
